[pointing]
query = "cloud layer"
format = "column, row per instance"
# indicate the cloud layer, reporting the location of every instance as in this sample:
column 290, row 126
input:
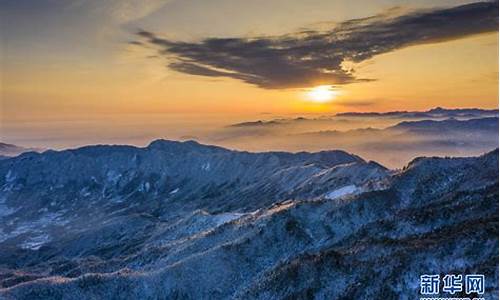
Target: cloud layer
column 313, row 57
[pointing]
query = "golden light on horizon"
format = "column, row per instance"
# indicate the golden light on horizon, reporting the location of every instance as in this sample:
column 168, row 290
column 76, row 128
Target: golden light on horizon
column 322, row 94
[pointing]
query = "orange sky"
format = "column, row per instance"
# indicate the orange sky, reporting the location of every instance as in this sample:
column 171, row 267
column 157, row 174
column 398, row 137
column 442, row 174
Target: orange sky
column 98, row 76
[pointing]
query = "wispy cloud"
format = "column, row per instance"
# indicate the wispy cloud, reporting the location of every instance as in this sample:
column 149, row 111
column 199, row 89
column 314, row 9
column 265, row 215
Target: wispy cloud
column 121, row 11
column 314, row 57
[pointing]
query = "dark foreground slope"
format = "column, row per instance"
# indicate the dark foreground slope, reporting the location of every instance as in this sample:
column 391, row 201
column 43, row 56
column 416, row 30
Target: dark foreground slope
column 187, row 221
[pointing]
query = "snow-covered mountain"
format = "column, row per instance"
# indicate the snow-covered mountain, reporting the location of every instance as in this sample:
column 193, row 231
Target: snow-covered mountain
column 188, row 221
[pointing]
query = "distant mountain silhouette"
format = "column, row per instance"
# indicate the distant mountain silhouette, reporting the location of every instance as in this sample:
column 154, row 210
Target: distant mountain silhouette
column 9, row 150
column 437, row 113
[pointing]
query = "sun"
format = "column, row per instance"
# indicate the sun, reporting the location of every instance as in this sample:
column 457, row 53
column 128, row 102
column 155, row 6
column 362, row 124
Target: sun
column 322, row 94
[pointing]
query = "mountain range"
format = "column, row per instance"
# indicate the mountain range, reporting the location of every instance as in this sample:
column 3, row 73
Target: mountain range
column 434, row 113
column 393, row 142
column 437, row 113
column 183, row 220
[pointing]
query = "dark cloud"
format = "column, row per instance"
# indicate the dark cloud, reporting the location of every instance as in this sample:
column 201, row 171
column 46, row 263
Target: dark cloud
column 315, row 57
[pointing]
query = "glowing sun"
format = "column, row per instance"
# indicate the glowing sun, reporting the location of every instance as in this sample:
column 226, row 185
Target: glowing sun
column 322, row 94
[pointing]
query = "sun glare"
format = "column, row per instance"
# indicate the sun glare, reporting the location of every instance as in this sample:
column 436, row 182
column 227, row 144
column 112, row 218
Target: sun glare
column 322, row 94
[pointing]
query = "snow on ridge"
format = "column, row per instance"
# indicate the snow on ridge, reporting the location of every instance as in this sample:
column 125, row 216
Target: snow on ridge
column 227, row 217
column 343, row 191
column 36, row 242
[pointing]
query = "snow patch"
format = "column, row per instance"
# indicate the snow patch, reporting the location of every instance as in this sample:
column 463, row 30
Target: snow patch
column 113, row 176
column 85, row 192
column 343, row 191
column 9, row 177
column 144, row 187
column 226, row 217
column 206, row 166
column 36, row 242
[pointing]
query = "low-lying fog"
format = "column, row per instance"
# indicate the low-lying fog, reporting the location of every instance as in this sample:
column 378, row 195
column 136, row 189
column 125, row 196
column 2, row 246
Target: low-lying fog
column 392, row 139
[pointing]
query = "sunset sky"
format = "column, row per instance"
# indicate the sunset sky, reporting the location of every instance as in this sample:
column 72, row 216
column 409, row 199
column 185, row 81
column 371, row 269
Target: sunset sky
column 77, row 72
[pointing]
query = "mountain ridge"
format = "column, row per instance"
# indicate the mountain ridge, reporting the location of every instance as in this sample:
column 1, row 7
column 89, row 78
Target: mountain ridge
column 239, row 225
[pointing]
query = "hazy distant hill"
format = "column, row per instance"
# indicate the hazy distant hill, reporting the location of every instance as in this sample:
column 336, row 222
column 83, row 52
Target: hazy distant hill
column 440, row 132
column 392, row 143
column 430, row 126
column 189, row 221
column 437, row 113
column 9, row 150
